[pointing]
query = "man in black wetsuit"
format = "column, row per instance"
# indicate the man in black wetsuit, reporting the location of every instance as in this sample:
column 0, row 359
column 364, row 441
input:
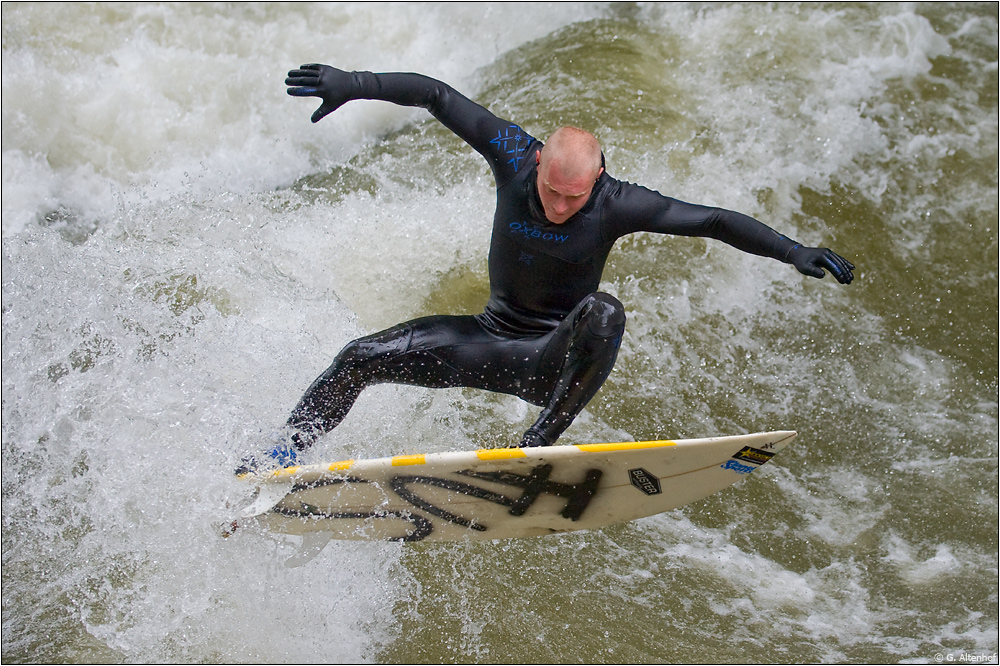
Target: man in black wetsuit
column 546, row 334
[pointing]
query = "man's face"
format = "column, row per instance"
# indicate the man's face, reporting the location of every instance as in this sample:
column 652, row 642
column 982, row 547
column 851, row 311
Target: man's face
column 561, row 196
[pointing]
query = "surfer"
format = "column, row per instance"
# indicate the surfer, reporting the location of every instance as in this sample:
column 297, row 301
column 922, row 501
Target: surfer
column 546, row 334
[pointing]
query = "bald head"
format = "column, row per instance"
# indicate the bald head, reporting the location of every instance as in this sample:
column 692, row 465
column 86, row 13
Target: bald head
column 568, row 167
column 576, row 151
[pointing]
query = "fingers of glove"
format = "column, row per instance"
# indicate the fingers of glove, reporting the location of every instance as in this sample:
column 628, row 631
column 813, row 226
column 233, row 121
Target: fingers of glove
column 312, row 70
column 306, row 70
column 310, row 76
column 302, row 83
column 302, row 91
column 302, row 79
column 839, row 267
column 848, row 273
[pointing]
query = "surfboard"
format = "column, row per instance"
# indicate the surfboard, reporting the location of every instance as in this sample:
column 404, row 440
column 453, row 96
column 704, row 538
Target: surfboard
column 501, row 493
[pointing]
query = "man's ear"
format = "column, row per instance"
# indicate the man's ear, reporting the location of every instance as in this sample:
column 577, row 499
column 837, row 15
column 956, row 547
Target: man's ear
column 538, row 157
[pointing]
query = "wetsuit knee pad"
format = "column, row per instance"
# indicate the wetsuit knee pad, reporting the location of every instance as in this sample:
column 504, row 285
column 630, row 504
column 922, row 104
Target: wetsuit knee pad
column 603, row 314
column 374, row 348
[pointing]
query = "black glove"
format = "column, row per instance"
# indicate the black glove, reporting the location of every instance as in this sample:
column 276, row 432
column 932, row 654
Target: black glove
column 334, row 86
column 812, row 260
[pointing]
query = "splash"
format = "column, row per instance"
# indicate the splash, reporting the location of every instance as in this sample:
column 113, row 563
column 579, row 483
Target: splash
column 183, row 252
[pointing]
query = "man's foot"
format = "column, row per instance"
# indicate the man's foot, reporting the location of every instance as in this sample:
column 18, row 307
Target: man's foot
column 533, row 438
column 283, row 454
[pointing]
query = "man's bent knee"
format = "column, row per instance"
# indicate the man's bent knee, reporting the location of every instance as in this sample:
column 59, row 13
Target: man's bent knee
column 374, row 348
column 603, row 314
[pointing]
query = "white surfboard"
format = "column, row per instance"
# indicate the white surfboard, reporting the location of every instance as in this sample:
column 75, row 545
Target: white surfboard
column 502, row 493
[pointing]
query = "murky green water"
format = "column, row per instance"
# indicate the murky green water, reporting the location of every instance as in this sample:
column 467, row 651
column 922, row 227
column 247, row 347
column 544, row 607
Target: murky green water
column 183, row 252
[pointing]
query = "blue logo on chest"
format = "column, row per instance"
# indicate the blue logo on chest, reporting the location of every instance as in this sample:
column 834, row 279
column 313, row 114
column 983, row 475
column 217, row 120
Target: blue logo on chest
column 532, row 232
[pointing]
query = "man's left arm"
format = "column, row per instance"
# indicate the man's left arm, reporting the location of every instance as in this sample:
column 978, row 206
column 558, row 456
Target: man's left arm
column 503, row 144
column 648, row 210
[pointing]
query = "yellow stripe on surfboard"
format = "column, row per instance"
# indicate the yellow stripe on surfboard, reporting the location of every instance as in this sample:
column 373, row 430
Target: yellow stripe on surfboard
column 418, row 459
column 500, row 454
column 624, row 446
column 487, row 454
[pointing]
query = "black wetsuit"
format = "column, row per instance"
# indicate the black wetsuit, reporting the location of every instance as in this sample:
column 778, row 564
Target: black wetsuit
column 546, row 334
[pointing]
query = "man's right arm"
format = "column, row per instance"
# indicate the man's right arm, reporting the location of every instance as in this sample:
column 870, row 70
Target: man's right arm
column 641, row 209
column 498, row 140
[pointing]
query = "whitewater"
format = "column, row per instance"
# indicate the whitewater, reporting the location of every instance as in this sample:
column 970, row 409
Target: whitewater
column 184, row 252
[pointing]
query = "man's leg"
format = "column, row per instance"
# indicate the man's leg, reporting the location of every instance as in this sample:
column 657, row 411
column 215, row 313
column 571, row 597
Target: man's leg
column 594, row 331
column 434, row 352
column 560, row 371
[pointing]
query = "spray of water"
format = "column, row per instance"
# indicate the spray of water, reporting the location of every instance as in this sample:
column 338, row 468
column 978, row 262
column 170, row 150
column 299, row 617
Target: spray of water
column 183, row 253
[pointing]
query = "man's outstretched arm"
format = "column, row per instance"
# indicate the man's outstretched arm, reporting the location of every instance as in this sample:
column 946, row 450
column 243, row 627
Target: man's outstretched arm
column 471, row 122
column 337, row 87
column 641, row 209
column 747, row 234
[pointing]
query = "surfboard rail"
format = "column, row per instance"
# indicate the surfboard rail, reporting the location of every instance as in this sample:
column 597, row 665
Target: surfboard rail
column 503, row 493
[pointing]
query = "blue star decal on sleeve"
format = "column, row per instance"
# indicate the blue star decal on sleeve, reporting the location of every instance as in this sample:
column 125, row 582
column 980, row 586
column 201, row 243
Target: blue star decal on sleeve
column 512, row 142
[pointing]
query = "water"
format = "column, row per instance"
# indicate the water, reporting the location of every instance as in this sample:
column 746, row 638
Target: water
column 183, row 252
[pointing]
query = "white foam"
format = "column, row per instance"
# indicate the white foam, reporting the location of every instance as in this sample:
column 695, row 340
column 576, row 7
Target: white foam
column 193, row 306
column 918, row 572
column 167, row 100
column 174, row 306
